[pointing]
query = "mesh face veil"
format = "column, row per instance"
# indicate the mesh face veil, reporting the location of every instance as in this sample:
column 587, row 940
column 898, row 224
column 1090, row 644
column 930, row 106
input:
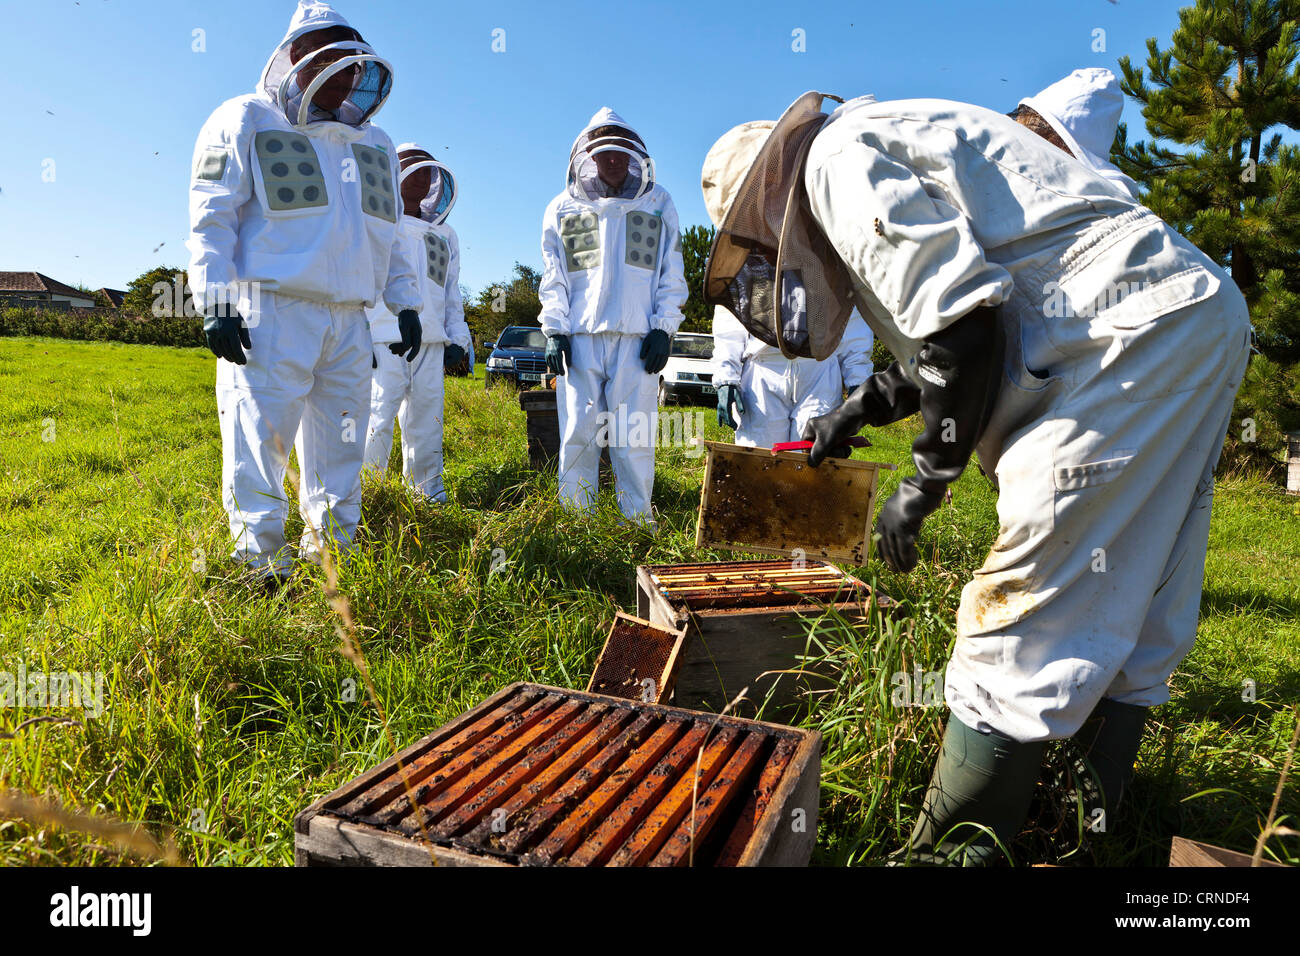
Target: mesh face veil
column 753, row 187
column 436, row 205
column 584, row 172
column 332, row 80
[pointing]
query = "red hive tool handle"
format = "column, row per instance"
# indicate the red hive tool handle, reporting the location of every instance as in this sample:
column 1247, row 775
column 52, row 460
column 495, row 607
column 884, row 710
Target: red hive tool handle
column 857, row 441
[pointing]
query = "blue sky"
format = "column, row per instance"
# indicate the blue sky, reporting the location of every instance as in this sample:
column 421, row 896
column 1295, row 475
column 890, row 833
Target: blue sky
column 112, row 92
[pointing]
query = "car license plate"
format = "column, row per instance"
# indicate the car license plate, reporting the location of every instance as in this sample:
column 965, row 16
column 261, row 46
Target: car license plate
column 709, row 390
column 530, row 376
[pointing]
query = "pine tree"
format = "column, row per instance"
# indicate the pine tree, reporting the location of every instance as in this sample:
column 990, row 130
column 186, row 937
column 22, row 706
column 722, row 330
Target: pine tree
column 696, row 242
column 1218, row 171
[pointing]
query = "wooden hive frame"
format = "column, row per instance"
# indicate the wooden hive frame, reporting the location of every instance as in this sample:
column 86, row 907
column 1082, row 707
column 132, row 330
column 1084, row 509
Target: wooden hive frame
column 638, row 661
column 754, row 500
column 578, row 779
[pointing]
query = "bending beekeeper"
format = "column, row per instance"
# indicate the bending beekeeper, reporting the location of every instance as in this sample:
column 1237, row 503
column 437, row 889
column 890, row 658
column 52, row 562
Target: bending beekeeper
column 413, row 390
column 293, row 219
column 611, row 293
column 1043, row 319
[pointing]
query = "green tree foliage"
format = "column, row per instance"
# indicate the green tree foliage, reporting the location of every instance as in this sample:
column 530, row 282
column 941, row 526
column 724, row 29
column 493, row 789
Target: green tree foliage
column 1218, row 171
column 107, row 326
column 696, row 242
column 512, row 301
column 154, row 293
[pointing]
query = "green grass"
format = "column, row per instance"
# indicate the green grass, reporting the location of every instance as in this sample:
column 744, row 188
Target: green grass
column 233, row 711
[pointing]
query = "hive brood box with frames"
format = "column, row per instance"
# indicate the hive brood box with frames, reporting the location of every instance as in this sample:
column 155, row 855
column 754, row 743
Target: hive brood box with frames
column 744, row 623
column 540, row 776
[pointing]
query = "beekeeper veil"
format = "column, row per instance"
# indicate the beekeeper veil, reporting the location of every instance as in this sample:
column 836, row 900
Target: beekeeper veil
column 768, row 248
column 608, row 133
column 440, row 196
column 323, row 71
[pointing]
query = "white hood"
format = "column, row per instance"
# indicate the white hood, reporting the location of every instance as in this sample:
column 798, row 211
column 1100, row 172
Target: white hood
column 1084, row 109
column 279, row 82
column 584, row 181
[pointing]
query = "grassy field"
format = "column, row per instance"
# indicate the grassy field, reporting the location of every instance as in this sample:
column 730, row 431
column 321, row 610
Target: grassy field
column 225, row 712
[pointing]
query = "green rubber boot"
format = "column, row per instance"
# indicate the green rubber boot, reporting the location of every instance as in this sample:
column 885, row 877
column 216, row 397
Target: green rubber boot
column 980, row 778
column 1109, row 740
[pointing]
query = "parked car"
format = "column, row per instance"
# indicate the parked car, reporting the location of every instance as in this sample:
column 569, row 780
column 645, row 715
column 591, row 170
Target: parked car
column 518, row 356
column 688, row 376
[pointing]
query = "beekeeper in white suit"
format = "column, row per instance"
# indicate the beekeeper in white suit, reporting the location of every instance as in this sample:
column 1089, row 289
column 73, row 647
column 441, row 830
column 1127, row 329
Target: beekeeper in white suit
column 612, row 293
column 413, row 391
column 293, row 228
column 768, row 398
column 1085, row 349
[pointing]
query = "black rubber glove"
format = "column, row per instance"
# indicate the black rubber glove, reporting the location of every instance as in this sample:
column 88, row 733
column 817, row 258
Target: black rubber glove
column 654, row 351
column 962, row 370
column 408, row 324
column 729, row 395
column 881, row 400
column 225, row 333
column 452, row 356
column 557, row 346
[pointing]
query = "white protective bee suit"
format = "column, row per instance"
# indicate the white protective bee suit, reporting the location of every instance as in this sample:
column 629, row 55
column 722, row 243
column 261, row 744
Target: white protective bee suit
column 294, row 216
column 1125, row 348
column 783, row 395
column 612, row 273
column 1125, row 345
column 413, row 391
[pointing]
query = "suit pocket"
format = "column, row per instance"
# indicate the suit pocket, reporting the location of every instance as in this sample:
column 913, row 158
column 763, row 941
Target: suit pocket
column 1132, row 308
column 1166, row 338
column 1092, row 473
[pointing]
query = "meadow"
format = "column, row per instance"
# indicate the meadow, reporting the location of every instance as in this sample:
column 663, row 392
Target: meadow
column 225, row 712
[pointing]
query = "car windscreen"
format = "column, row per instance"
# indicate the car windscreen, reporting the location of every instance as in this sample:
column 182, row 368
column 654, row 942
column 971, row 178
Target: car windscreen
column 522, row 339
column 697, row 348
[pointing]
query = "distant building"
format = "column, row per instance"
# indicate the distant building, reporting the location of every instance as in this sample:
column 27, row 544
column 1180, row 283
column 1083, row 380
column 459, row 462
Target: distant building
column 115, row 297
column 33, row 288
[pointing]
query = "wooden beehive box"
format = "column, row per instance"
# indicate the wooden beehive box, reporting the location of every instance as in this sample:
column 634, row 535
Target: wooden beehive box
column 1184, row 852
column 542, row 776
column 757, row 501
column 743, row 623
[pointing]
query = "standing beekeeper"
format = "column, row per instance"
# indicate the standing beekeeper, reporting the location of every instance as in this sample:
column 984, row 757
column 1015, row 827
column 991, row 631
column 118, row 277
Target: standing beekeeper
column 413, row 390
column 612, row 295
column 1041, row 317
column 768, row 398
column 293, row 219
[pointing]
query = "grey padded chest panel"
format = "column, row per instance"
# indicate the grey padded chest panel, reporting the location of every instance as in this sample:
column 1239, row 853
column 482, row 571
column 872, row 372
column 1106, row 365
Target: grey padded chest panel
column 291, row 171
column 580, row 233
column 375, row 171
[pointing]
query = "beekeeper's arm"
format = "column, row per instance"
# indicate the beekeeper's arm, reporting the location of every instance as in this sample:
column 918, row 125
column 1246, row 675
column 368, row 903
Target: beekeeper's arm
column 670, row 281
column 402, row 292
column 453, row 308
column 553, row 291
column 456, row 327
column 670, row 293
column 729, row 339
column 221, row 182
column 919, row 255
column 854, row 352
